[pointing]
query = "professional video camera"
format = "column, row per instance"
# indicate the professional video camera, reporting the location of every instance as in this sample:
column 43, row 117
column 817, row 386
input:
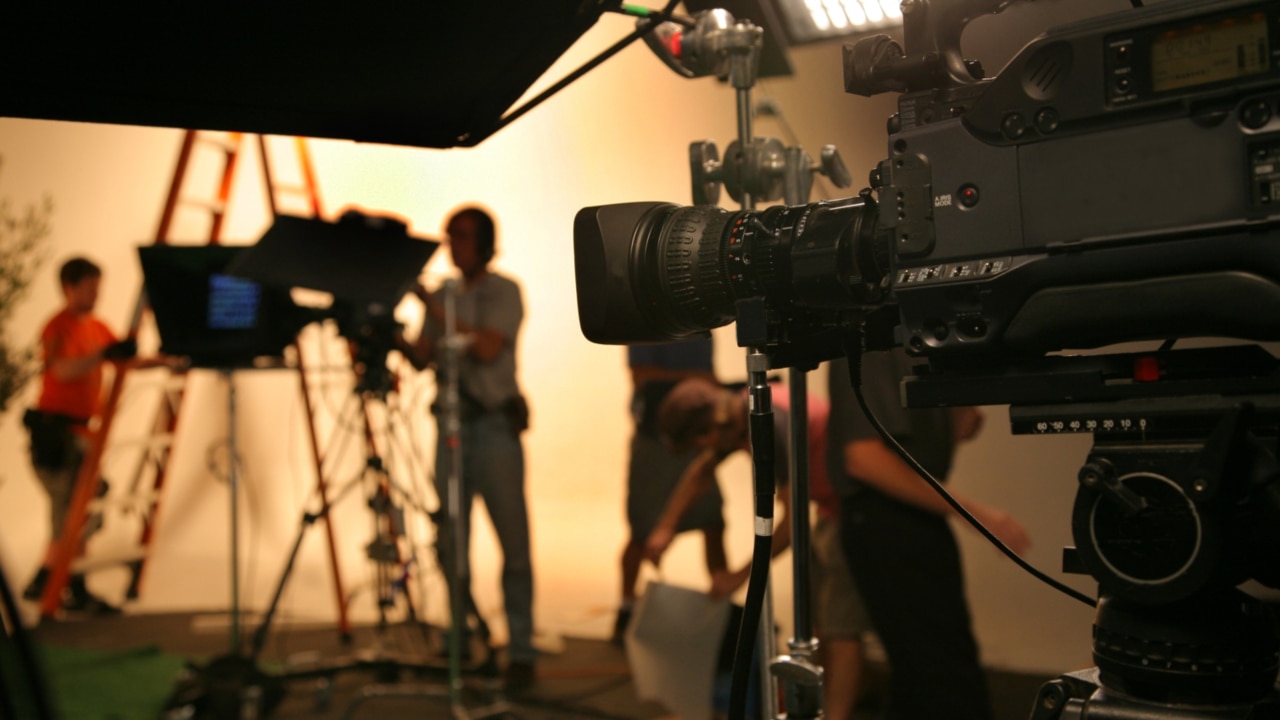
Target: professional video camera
column 1116, row 182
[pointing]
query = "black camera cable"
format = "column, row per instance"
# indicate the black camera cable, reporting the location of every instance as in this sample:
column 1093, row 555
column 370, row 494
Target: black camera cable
column 854, row 353
column 760, row 424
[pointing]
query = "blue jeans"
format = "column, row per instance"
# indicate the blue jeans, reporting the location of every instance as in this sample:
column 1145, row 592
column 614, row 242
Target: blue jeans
column 493, row 467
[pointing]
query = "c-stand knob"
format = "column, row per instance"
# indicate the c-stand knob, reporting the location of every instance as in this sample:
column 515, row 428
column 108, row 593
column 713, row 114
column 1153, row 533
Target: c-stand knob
column 705, row 170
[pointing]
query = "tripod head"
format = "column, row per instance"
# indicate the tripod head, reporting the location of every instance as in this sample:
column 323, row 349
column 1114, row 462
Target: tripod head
column 1170, row 522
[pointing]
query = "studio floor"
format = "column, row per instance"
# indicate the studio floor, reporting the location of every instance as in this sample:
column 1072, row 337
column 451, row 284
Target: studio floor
column 134, row 665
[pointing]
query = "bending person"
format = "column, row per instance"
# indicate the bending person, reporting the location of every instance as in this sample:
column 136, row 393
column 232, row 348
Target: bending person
column 654, row 470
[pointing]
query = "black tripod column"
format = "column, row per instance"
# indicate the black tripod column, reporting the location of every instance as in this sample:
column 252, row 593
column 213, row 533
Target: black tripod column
column 800, row 675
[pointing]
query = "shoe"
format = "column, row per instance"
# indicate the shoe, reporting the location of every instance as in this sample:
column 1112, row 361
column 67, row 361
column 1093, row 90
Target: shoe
column 89, row 604
column 35, row 588
column 518, row 677
column 620, row 626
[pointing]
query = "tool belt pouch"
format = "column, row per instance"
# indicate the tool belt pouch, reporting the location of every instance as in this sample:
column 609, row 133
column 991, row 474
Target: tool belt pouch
column 52, row 440
column 516, row 409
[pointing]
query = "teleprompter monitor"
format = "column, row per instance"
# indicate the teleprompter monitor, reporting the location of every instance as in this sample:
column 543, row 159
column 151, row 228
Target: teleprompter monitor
column 210, row 316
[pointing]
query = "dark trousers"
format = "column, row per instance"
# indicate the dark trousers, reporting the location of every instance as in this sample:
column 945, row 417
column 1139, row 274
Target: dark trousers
column 907, row 567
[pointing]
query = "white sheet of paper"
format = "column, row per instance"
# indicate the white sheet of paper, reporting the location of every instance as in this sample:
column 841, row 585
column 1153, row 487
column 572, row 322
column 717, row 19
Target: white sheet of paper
column 673, row 642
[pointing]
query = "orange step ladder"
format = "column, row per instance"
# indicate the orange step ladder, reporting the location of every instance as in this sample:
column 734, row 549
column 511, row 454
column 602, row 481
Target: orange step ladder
column 68, row 546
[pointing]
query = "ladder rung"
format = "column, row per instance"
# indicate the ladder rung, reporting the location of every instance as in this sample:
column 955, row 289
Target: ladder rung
column 154, row 441
column 223, row 140
column 211, row 205
column 94, row 562
column 294, row 189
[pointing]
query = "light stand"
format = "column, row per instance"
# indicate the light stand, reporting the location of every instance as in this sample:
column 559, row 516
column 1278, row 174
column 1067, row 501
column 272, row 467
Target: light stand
column 756, row 169
column 801, row 676
column 229, row 686
column 459, row 580
column 764, row 169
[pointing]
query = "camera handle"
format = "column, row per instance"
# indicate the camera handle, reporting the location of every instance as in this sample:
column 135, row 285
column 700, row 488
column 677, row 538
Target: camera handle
column 932, row 58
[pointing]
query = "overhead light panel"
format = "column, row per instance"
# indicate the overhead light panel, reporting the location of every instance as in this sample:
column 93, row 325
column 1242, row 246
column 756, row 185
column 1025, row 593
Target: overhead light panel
column 810, row 21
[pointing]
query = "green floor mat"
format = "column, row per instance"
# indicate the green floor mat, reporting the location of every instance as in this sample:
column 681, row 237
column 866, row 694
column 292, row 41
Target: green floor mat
column 130, row 684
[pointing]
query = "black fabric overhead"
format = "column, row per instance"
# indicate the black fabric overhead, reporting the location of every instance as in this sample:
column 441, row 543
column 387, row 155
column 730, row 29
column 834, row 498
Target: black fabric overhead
column 430, row 74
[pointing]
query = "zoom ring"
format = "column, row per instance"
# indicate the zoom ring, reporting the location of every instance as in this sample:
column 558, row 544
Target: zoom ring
column 694, row 284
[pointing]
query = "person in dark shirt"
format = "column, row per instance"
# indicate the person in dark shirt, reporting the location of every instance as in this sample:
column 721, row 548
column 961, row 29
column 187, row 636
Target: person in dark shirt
column 898, row 542
column 490, row 310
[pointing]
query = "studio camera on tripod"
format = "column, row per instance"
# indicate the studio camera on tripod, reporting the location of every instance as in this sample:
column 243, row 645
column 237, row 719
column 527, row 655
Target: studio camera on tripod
column 1019, row 218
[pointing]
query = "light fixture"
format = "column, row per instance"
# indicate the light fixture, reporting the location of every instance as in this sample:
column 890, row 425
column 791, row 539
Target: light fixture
column 809, row 21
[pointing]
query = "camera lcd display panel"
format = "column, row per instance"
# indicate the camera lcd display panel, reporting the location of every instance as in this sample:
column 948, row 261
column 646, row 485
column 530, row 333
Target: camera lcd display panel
column 1230, row 48
column 211, row 317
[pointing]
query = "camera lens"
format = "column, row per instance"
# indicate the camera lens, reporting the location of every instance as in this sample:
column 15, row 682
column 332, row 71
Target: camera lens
column 653, row 272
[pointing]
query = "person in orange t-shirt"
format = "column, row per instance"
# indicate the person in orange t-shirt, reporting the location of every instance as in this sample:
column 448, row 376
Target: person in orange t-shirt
column 74, row 345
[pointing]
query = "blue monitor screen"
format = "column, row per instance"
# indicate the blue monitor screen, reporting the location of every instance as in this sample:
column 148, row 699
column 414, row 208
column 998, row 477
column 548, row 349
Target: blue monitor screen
column 233, row 303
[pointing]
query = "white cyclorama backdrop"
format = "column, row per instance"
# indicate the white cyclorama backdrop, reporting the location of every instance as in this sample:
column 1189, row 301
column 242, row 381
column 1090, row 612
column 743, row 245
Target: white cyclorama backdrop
column 620, row 134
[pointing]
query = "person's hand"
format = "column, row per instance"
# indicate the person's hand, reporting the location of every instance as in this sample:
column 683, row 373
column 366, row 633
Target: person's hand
column 434, row 308
column 965, row 423
column 657, row 544
column 1003, row 525
column 125, row 349
column 725, row 583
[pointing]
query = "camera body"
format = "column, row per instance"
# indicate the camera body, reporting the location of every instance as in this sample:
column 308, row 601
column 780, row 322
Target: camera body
column 1115, row 182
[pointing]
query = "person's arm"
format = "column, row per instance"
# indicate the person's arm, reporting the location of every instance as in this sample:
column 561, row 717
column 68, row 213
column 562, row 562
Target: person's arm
column 501, row 312
column 695, row 482
column 724, row 584
column 420, row 353
column 156, row 361
column 877, row 465
column 66, row 368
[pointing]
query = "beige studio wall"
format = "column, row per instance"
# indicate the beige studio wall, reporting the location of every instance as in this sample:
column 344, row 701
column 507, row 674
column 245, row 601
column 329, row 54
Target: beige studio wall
column 619, row 134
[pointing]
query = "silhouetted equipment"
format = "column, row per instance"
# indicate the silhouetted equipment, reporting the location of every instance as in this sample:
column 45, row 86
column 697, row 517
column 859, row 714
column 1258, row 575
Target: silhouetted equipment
column 435, row 74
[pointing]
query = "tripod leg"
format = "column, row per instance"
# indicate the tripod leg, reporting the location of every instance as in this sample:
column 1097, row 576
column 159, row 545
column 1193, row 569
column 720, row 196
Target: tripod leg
column 308, row 519
column 260, row 635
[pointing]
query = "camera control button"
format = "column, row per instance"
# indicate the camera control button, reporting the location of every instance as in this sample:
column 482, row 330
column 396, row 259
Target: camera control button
column 1255, row 114
column 1047, row 120
column 1014, row 126
column 968, row 195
